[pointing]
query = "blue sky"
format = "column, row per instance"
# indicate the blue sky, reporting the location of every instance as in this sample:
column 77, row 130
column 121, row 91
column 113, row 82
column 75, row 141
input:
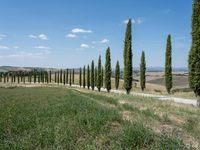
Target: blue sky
column 70, row 33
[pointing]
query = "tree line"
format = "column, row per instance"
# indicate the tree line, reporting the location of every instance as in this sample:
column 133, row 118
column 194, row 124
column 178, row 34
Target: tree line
column 98, row 76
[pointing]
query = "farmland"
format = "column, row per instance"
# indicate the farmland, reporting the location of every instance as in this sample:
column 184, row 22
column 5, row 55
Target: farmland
column 60, row 118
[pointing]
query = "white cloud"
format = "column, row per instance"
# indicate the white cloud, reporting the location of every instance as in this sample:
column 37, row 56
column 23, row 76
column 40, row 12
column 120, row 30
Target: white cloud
column 135, row 21
column 79, row 30
column 15, row 47
column 4, row 47
column 23, row 54
column 42, row 47
column 43, row 37
column 32, row 36
column 2, row 36
column 85, row 46
column 71, row 36
column 40, row 36
column 104, row 41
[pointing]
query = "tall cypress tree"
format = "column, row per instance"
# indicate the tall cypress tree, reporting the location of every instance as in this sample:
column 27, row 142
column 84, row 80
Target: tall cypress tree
column 194, row 54
column 117, row 75
column 84, row 77
column 67, row 76
column 70, row 78
column 128, row 69
column 50, row 76
column 55, row 77
column 99, row 74
column 61, row 76
column 143, row 72
column 73, row 76
column 95, row 76
column 80, row 77
column 102, row 76
column 88, row 77
column 92, row 75
column 58, row 77
column 108, row 70
column 168, row 65
column 64, row 78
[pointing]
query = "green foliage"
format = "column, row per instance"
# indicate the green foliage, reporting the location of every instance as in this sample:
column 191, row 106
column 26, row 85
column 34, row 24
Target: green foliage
column 143, row 72
column 168, row 65
column 108, row 70
column 88, row 77
column 95, row 76
column 67, row 76
column 99, row 75
column 102, row 76
column 194, row 57
column 117, row 75
column 128, row 69
column 61, row 76
column 84, row 81
column 80, row 77
column 92, row 75
column 70, row 78
column 73, row 76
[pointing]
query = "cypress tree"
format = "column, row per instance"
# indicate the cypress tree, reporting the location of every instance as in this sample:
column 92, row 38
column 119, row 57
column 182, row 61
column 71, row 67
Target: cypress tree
column 99, row 74
column 70, row 78
column 143, row 72
column 64, row 78
column 80, row 77
column 108, row 70
column 61, row 76
column 84, row 77
column 88, row 77
column 67, row 76
column 55, row 77
column 50, row 76
column 92, row 75
column 128, row 69
column 102, row 76
column 117, row 75
column 194, row 54
column 168, row 65
column 58, row 77
column 73, row 76
column 95, row 76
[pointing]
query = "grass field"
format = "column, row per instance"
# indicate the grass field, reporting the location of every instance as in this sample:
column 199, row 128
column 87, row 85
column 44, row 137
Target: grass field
column 62, row 118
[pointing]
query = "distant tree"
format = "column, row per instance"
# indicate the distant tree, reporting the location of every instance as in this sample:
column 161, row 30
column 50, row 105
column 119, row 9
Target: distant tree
column 67, row 76
column 99, row 74
column 194, row 54
column 88, row 77
column 64, row 78
column 108, row 70
column 73, row 76
column 55, row 77
column 102, row 76
column 84, row 77
column 58, row 75
column 117, row 75
column 128, row 69
column 143, row 72
column 80, row 77
column 61, row 76
column 95, row 76
column 92, row 75
column 70, row 78
column 50, row 76
column 168, row 65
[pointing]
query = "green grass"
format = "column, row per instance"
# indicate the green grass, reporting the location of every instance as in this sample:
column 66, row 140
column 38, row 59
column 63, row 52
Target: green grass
column 62, row 118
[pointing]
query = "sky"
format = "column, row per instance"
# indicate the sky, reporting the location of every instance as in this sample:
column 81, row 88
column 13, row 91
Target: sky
column 70, row 33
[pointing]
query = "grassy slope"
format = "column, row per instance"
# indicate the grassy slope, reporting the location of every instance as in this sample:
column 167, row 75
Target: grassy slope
column 58, row 118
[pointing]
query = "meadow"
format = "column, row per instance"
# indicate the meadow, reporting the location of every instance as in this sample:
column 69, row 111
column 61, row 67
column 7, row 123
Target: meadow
column 74, row 118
